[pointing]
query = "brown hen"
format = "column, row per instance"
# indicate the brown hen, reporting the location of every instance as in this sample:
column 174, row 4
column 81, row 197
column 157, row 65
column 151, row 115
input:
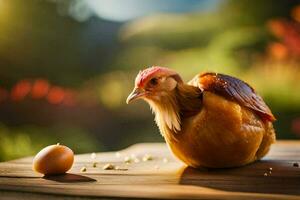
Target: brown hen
column 213, row 121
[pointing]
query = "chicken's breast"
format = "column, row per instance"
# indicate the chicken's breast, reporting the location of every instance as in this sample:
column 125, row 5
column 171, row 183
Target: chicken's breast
column 223, row 134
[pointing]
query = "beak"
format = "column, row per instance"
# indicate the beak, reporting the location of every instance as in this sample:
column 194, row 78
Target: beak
column 135, row 94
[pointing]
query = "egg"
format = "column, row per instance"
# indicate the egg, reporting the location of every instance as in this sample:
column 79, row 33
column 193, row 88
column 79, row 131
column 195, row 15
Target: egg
column 53, row 159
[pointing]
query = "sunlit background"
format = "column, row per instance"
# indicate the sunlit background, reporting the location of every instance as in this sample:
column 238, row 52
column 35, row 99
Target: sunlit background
column 67, row 66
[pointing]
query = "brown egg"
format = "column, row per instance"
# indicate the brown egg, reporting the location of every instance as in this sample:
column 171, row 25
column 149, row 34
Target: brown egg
column 53, row 159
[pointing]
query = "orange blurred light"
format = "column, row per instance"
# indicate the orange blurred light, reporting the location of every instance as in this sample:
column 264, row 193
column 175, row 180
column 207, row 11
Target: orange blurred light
column 40, row 89
column 20, row 90
column 277, row 27
column 3, row 94
column 278, row 50
column 295, row 14
column 56, row 95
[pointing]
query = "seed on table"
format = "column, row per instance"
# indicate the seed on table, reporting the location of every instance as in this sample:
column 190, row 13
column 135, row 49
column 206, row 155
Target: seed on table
column 265, row 174
column 108, row 167
column 93, row 155
column 165, row 160
column 83, row 169
column 147, row 157
column 136, row 160
column 127, row 160
column 95, row 164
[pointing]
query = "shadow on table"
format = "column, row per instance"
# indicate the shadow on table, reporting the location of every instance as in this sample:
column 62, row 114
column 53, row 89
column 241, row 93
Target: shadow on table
column 282, row 179
column 69, row 178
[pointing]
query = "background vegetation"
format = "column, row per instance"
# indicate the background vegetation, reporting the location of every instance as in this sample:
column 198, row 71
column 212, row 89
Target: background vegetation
column 65, row 73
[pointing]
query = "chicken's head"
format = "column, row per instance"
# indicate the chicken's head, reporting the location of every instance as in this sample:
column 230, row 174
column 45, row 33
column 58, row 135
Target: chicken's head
column 153, row 83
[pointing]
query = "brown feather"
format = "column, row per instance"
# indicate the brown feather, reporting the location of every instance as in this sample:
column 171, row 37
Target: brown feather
column 235, row 90
column 189, row 100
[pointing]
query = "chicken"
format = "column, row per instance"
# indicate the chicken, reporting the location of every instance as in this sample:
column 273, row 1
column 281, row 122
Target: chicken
column 214, row 121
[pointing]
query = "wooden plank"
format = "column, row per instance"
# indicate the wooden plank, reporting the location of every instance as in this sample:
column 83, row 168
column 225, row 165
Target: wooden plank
column 158, row 179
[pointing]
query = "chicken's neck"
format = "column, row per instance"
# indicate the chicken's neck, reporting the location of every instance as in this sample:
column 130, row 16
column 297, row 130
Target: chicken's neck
column 183, row 102
column 189, row 99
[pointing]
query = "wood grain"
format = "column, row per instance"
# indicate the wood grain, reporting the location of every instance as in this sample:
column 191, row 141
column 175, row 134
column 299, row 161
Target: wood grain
column 156, row 178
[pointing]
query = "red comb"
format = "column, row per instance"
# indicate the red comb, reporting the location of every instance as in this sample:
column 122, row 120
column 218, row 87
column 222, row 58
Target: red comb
column 145, row 75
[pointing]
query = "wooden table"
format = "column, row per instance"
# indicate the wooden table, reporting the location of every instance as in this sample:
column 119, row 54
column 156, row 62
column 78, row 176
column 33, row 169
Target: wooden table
column 163, row 177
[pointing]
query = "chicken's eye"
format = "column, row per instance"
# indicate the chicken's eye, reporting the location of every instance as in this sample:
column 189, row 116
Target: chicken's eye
column 154, row 81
